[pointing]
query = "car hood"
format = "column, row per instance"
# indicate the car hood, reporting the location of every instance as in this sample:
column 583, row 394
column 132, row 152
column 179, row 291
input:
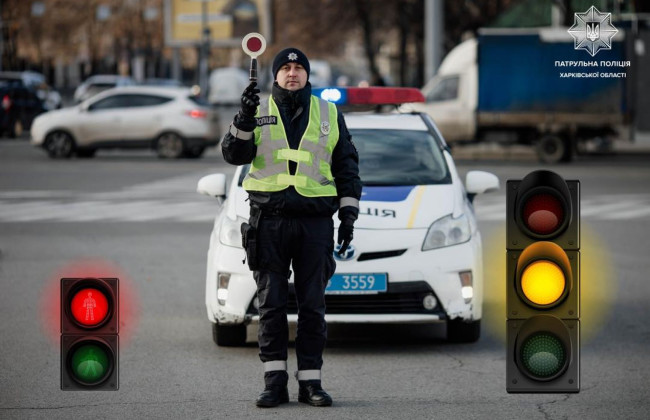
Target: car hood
column 59, row 113
column 390, row 207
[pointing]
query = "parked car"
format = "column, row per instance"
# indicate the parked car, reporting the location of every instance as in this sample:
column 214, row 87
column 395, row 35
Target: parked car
column 156, row 81
column 416, row 255
column 18, row 108
column 99, row 83
column 35, row 82
column 226, row 85
column 172, row 121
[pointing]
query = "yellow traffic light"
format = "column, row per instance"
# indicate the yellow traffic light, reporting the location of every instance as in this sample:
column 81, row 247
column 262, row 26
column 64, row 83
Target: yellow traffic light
column 543, row 282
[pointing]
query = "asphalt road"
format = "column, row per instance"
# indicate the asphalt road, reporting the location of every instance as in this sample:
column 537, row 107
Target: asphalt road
column 133, row 215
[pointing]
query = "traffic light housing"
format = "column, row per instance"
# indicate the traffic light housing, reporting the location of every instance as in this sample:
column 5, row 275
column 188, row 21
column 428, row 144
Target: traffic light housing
column 89, row 334
column 543, row 284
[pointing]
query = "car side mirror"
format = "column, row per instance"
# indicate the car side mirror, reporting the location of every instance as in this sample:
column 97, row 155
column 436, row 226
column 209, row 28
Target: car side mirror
column 83, row 107
column 213, row 185
column 479, row 182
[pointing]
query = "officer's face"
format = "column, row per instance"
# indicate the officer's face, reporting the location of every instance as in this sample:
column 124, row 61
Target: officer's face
column 292, row 76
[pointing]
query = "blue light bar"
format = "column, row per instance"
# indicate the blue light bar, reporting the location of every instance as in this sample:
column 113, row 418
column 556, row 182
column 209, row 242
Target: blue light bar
column 334, row 95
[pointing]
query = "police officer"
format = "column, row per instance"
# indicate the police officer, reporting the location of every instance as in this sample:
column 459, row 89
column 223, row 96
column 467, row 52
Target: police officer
column 304, row 168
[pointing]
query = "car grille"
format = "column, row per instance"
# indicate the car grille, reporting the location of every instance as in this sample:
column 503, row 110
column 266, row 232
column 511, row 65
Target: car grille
column 401, row 298
column 382, row 254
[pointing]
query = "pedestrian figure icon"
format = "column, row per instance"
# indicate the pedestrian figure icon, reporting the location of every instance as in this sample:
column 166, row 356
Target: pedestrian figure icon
column 90, row 305
column 91, row 363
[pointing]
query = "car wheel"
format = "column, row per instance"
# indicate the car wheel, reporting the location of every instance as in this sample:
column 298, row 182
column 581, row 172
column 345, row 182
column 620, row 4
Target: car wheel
column 229, row 335
column 195, row 152
column 86, row 153
column 460, row 331
column 59, row 144
column 170, row 146
column 551, row 149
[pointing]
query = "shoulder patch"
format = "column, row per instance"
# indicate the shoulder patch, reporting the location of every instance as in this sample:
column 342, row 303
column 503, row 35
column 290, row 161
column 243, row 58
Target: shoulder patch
column 267, row 120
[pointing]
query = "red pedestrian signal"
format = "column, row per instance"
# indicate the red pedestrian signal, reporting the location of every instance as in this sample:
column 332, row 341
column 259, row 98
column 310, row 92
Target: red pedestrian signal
column 89, row 334
column 543, row 284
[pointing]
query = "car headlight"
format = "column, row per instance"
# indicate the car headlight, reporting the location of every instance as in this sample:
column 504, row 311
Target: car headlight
column 447, row 231
column 230, row 232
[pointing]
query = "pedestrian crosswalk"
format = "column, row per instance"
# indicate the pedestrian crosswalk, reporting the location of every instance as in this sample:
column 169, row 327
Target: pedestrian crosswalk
column 601, row 207
column 175, row 200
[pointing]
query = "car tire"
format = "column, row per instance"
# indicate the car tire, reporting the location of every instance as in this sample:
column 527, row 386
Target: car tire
column 229, row 335
column 170, row 146
column 59, row 144
column 551, row 148
column 195, row 152
column 86, row 153
column 460, row 331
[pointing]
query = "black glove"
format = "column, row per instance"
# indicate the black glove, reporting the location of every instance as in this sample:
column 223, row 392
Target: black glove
column 345, row 235
column 250, row 100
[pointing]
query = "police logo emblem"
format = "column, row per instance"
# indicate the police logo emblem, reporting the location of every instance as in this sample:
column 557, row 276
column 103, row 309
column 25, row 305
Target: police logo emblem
column 593, row 31
column 325, row 128
column 293, row 56
column 347, row 255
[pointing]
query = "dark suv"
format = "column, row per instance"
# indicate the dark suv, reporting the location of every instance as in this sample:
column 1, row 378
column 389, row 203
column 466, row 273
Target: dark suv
column 18, row 108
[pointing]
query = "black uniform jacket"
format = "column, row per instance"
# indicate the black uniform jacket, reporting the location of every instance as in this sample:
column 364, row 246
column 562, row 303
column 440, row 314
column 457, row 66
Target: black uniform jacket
column 294, row 110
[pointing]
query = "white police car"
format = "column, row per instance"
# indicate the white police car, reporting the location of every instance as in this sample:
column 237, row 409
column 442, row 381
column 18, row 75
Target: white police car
column 416, row 256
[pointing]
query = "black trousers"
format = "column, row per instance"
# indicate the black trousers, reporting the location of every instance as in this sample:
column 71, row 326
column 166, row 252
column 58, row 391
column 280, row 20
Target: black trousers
column 306, row 244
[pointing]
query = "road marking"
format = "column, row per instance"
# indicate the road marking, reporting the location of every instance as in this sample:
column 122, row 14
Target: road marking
column 602, row 207
column 157, row 202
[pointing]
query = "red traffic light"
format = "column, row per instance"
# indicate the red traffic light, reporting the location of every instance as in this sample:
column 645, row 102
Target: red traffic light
column 89, row 306
column 543, row 213
column 543, row 206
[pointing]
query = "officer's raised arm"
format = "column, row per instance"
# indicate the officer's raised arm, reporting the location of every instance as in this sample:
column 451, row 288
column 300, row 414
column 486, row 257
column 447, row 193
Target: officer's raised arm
column 238, row 146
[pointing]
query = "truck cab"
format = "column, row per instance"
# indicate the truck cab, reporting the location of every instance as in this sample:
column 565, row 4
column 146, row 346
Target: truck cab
column 452, row 95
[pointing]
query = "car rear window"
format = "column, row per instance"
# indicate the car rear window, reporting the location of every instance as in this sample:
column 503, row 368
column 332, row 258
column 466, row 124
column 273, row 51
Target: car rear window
column 198, row 100
column 149, row 100
column 399, row 157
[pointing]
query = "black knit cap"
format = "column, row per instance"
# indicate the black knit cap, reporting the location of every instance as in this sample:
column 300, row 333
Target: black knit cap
column 289, row 55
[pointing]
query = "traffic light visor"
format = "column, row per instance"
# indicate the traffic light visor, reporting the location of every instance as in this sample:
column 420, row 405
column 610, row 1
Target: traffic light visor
column 543, row 205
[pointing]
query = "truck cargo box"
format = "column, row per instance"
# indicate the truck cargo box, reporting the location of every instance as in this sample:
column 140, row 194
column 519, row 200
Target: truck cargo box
column 522, row 73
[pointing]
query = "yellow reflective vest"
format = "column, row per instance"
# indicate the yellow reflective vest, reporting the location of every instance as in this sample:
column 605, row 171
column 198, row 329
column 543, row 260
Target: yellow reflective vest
column 270, row 169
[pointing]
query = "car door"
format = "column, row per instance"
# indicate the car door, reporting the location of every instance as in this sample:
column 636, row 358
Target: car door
column 102, row 120
column 145, row 117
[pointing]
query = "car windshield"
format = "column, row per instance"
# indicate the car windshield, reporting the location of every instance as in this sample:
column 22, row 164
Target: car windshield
column 396, row 157
column 399, row 157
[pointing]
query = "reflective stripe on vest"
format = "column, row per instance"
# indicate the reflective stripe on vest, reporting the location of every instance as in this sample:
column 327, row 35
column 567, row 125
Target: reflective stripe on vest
column 270, row 168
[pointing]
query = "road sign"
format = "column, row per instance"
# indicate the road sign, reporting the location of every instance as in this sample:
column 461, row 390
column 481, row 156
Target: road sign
column 89, row 334
column 227, row 20
column 543, row 284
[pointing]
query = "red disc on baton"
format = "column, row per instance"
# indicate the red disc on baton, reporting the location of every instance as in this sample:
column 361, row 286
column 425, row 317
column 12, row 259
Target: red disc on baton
column 253, row 44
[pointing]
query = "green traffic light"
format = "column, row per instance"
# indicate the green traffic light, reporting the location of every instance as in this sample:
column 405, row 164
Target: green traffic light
column 90, row 363
column 543, row 355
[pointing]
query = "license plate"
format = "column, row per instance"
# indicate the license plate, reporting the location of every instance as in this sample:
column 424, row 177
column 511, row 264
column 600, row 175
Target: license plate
column 357, row 284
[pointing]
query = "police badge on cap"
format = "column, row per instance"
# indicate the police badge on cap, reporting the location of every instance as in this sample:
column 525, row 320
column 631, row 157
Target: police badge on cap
column 293, row 55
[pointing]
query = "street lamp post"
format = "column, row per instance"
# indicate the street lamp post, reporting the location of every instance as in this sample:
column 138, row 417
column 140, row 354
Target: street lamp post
column 204, row 49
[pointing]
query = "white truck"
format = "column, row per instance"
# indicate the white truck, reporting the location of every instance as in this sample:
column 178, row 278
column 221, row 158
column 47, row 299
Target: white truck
column 507, row 86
